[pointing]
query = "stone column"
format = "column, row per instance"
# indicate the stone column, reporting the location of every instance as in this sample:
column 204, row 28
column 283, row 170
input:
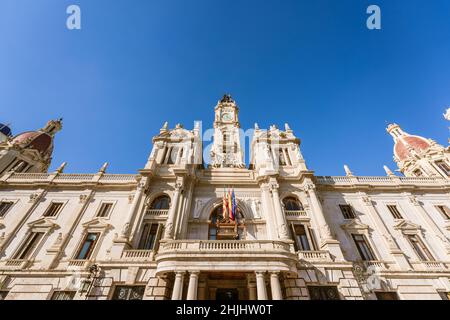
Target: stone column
column 251, row 285
column 327, row 240
column 426, row 218
column 275, row 286
column 279, row 213
column 193, row 285
column 133, row 208
column 177, row 293
column 169, row 230
column 261, row 286
column 268, row 212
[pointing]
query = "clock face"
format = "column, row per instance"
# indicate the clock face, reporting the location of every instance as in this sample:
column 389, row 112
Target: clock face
column 227, row 117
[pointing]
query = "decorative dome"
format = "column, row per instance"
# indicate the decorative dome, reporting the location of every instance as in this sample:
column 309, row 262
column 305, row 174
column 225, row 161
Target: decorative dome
column 415, row 142
column 36, row 140
column 405, row 143
column 5, row 129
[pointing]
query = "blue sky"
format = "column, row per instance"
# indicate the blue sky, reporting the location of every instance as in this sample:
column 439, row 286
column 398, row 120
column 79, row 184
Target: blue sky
column 314, row 64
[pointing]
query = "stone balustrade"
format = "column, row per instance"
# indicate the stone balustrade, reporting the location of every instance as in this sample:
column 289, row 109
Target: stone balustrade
column 162, row 213
column 295, row 213
column 380, row 181
column 138, row 255
column 225, row 245
column 322, row 256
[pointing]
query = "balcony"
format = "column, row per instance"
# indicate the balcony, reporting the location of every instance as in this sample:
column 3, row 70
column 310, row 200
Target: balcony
column 226, row 255
column 138, row 255
column 429, row 266
column 16, row 264
column 314, row 256
column 78, row 264
column 157, row 213
column 295, row 213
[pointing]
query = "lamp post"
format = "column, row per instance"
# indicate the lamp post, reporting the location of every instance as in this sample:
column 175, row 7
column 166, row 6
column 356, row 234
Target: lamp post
column 88, row 283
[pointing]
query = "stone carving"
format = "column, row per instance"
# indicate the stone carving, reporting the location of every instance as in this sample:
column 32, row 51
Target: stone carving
column 83, row 198
column 33, row 197
column 168, row 232
column 413, row 200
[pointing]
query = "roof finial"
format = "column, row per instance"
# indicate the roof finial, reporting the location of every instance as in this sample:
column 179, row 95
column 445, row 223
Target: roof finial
column 256, row 126
column 103, row 168
column 348, row 171
column 287, row 128
column 388, row 171
column 61, row 168
column 53, row 126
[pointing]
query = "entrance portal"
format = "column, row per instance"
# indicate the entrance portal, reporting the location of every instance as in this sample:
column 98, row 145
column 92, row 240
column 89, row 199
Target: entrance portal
column 227, row 294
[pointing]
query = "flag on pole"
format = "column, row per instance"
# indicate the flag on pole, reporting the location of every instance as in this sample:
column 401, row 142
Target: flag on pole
column 224, row 206
column 230, row 204
column 234, row 206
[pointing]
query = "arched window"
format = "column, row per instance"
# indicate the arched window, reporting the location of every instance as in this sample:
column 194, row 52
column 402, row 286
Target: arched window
column 292, row 204
column 161, row 203
column 220, row 226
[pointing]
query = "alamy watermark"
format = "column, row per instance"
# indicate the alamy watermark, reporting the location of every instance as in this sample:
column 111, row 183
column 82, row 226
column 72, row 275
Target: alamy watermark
column 73, row 21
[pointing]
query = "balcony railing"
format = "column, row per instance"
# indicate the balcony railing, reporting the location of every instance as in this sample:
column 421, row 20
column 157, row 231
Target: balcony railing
column 375, row 264
column 238, row 246
column 295, row 213
column 157, row 212
column 16, row 264
column 78, row 263
column 315, row 256
column 429, row 265
column 138, row 255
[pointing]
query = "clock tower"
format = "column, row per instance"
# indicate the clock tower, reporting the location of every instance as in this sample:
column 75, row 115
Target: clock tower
column 226, row 151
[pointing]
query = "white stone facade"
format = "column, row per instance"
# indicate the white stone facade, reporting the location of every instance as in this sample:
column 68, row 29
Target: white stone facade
column 153, row 235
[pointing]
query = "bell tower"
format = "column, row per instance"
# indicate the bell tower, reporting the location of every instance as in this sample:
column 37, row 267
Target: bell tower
column 226, row 151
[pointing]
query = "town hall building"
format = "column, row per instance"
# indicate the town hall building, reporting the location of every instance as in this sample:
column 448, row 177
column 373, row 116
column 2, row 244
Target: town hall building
column 162, row 233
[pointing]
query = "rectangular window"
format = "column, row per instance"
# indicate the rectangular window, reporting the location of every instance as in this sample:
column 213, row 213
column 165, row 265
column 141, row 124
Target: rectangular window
column 363, row 247
column 419, row 247
column 172, row 156
column 148, row 236
column 128, row 293
column 444, row 211
column 301, row 237
column 347, row 211
column 444, row 167
column 394, row 211
column 386, row 295
column 323, row 293
column 105, row 209
column 418, row 173
column 3, row 294
column 53, row 209
column 28, row 246
column 4, row 207
column 87, row 246
column 63, row 295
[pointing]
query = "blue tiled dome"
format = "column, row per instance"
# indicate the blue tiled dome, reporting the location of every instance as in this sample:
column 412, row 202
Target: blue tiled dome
column 5, row 129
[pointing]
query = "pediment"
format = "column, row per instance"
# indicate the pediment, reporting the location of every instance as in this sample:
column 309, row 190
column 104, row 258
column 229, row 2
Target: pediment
column 97, row 223
column 407, row 226
column 43, row 223
column 355, row 225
